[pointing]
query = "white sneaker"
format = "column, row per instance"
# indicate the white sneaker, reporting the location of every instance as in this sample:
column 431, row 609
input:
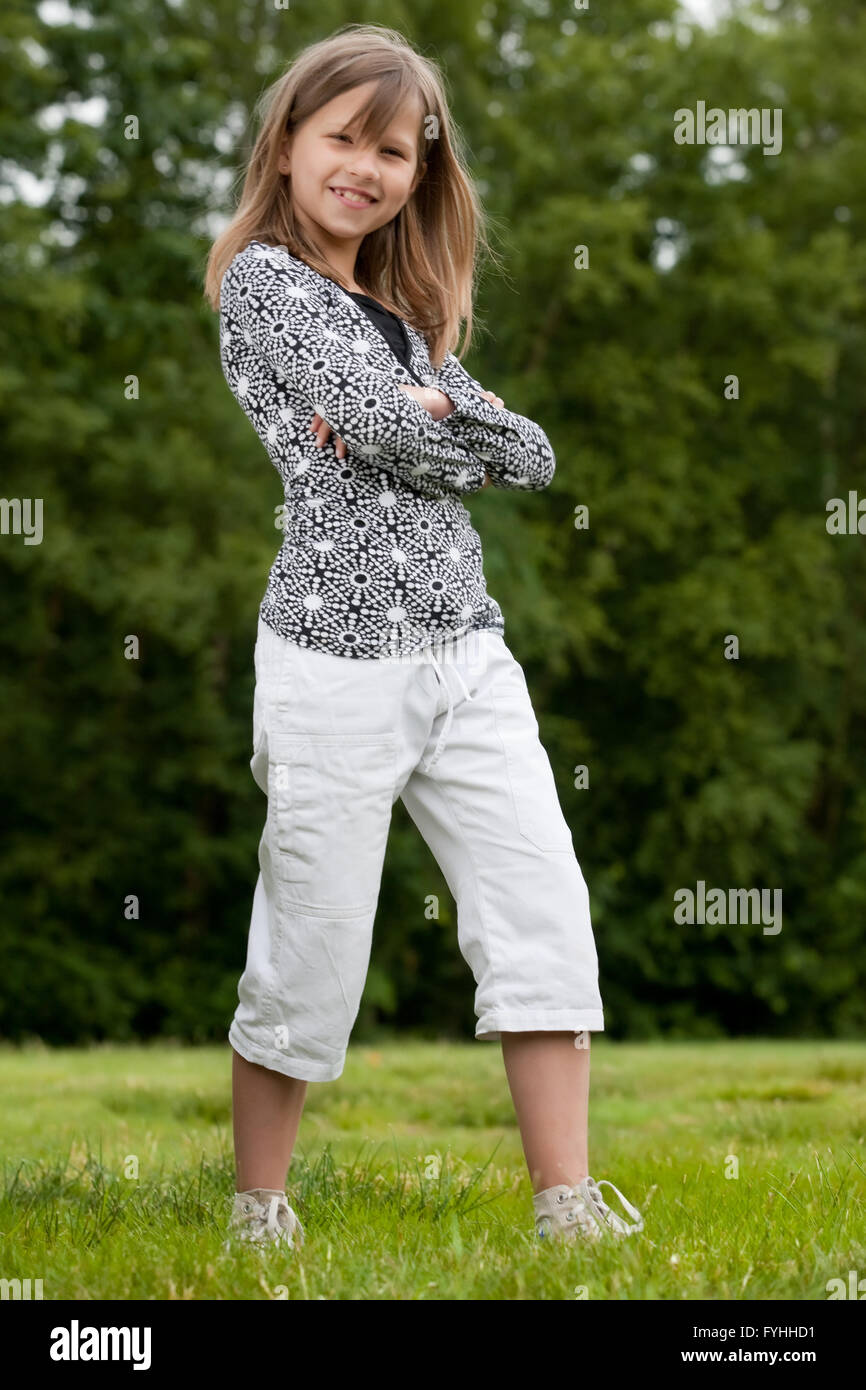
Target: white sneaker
column 562, row 1211
column 263, row 1216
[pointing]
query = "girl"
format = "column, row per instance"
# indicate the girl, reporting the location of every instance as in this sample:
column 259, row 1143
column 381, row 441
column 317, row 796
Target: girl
column 381, row 665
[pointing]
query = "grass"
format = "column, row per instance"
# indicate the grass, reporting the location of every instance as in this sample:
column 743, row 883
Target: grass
column 746, row 1158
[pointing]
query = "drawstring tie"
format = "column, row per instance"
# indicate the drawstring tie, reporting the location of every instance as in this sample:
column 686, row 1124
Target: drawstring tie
column 440, row 742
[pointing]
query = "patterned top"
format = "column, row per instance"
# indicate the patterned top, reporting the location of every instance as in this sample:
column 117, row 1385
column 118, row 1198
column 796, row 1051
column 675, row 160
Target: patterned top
column 380, row 558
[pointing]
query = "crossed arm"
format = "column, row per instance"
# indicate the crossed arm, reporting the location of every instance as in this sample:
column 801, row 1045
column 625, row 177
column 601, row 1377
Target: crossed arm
column 431, row 398
column 452, row 439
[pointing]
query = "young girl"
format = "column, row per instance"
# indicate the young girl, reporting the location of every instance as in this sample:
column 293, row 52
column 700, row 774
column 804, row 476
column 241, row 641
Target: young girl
column 381, row 666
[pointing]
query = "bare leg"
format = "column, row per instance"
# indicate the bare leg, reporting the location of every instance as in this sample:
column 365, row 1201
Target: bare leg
column 266, row 1113
column 549, row 1082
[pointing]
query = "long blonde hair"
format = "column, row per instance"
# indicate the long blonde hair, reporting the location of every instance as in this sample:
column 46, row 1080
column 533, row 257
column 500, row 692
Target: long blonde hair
column 422, row 264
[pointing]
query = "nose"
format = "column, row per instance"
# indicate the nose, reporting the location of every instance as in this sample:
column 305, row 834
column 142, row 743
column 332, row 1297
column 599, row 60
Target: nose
column 362, row 176
column 363, row 163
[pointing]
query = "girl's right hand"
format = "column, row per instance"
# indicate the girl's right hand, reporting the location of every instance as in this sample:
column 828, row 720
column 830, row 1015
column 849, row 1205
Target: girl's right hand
column 435, row 401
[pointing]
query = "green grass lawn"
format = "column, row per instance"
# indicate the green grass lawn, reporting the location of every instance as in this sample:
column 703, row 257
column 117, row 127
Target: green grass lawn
column 409, row 1178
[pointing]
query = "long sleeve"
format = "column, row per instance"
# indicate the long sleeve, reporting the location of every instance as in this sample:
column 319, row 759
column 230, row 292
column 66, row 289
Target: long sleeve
column 377, row 420
column 514, row 449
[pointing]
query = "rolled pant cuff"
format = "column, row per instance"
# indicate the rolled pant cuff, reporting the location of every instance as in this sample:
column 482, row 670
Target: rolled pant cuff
column 491, row 1025
column 301, row 1068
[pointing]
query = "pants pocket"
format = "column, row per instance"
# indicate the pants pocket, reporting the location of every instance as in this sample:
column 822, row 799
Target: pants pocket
column 533, row 788
column 329, row 809
column 258, row 762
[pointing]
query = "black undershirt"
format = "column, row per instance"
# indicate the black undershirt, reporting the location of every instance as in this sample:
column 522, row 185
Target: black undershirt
column 388, row 324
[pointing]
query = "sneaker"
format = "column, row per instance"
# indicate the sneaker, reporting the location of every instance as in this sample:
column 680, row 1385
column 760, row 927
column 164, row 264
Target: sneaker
column 562, row 1211
column 263, row 1216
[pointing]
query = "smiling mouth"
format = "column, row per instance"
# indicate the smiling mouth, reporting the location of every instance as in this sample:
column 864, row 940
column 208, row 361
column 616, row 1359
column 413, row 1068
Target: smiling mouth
column 352, row 200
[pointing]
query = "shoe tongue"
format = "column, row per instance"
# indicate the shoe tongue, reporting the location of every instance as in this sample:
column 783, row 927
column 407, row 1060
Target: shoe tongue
column 265, row 1195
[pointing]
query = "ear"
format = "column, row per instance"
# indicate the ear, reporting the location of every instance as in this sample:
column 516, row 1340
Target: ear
column 285, row 153
column 419, row 176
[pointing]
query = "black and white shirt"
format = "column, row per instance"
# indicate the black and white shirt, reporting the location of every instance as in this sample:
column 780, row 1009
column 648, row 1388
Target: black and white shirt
column 380, row 558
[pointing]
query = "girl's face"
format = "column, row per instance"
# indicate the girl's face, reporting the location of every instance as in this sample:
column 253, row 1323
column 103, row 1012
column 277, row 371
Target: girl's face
column 324, row 154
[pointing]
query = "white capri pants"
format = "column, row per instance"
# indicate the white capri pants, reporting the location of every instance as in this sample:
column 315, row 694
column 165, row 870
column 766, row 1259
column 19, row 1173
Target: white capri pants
column 452, row 732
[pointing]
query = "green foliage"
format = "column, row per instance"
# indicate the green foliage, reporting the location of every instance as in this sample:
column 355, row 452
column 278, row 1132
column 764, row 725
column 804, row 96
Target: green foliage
column 706, row 515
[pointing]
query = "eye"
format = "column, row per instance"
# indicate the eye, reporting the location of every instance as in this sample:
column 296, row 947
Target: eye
column 388, row 150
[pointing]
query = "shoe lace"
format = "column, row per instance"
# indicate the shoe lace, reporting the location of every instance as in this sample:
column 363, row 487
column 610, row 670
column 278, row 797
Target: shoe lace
column 578, row 1210
column 265, row 1215
column 274, row 1228
column 611, row 1218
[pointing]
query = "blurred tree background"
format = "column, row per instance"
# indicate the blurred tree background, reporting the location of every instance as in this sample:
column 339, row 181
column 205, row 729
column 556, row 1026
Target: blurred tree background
column 707, row 515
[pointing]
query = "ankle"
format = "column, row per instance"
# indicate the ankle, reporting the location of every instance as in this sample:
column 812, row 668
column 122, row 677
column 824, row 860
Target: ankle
column 548, row 1183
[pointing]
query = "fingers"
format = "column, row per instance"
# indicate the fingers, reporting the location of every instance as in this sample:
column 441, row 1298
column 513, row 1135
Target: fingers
column 321, row 429
column 494, row 399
